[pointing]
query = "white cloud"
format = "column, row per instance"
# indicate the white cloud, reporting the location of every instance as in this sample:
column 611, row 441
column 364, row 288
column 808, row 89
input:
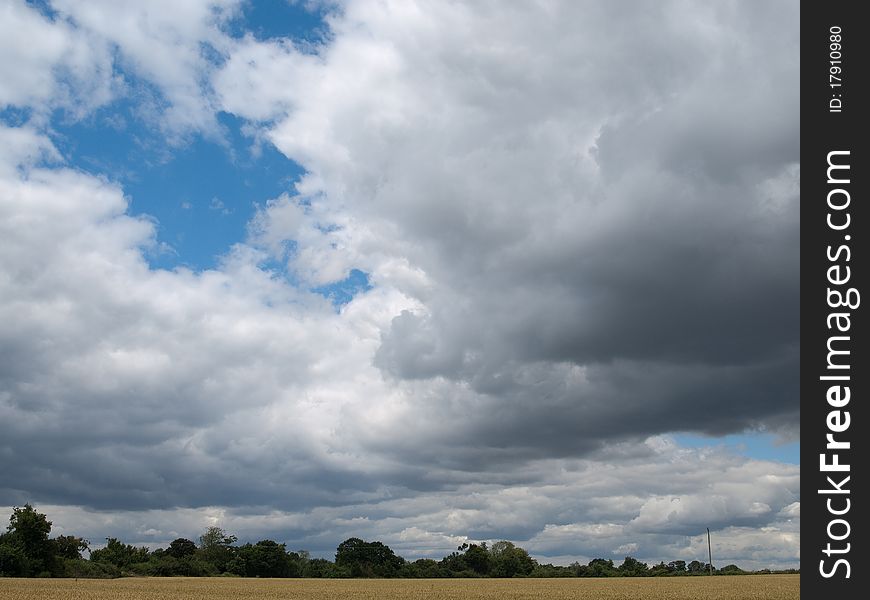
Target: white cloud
column 159, row 54
column 578, row 512
column 49, row 64
column 167, row 44
column 255, row 80
column 166, row 359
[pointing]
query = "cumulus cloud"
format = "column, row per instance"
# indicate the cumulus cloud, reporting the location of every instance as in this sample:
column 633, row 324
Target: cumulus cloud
column 112, row 364
column 80, row 56
column 580, row 226
column 48, row 64
column 579, row 511
column 171, row 45
column 598, row 237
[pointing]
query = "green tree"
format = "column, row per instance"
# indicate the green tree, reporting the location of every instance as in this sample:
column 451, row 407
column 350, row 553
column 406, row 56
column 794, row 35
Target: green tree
column 695, row 567
column 322, row 568
column 266, row 558
column 367, row 559
column 551, row 570
column 119, row 554
column 678, row 566
column 180, row 548
column 631, row 567
column 12, row 560
column 508, row 560
column 162, row 564
column 216, row 547
column 454, row 565
column 659, row 570
column 477, row 558
column 424, row 568
column 28, row 534
column 599, row 567
column 731, row 570
column 69, row 546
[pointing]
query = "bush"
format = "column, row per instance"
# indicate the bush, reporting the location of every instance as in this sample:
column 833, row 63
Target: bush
column 85, row 569
column 164, row 565
column 731, row 570
column 13, row 563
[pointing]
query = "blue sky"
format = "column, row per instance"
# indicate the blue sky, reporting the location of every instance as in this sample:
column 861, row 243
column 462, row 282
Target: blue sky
column 765, row 446
column 202, row 192
column 407, row 275
column 299, row 21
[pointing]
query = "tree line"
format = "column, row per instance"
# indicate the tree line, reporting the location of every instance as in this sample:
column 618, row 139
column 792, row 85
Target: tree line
column 27, row 550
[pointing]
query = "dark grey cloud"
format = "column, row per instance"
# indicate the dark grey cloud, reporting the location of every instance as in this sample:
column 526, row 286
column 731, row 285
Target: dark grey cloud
column 661, row 258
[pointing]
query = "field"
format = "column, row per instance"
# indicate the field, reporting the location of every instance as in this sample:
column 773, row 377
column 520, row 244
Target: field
column 746, row 587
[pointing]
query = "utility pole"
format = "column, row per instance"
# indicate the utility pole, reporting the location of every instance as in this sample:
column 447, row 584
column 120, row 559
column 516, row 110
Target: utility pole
column 710, row 551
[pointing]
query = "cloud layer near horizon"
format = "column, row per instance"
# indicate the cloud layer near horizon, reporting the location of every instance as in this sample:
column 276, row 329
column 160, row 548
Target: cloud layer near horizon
column 580, row 223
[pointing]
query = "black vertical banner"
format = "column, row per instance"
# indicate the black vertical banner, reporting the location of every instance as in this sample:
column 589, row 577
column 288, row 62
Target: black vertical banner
column 835, row 223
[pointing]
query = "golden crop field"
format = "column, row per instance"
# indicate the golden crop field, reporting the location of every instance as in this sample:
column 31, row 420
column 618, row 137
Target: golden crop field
column 745, row 587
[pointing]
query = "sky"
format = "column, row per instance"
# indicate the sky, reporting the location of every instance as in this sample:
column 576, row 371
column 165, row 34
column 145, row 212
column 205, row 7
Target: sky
column 419, row 272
